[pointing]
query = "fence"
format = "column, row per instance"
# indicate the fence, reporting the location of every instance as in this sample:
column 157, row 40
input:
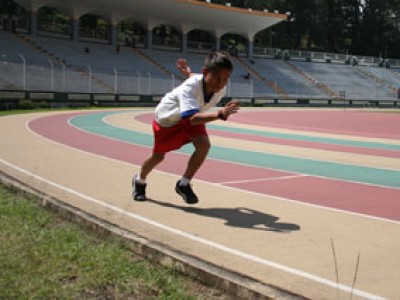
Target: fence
column 56, row 77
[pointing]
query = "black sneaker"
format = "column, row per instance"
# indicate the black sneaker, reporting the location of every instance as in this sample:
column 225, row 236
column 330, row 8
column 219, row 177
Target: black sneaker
column 139, row 190
column 187, row 193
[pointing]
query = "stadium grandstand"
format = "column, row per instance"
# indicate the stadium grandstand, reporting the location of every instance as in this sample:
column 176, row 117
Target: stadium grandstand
column 131, row 57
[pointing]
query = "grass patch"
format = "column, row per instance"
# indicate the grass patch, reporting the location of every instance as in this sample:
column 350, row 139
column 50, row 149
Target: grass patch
column 43, row 256
column 27, row 111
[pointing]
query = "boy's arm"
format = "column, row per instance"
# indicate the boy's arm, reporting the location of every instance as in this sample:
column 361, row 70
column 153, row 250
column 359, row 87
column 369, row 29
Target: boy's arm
column 200, row 118
column 183, row 67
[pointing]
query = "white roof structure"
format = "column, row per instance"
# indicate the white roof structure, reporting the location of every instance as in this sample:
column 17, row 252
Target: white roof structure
column 184, row 15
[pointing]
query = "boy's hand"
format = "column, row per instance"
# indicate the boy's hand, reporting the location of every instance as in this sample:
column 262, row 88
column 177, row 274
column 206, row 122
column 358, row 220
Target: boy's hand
column 232, row 107
column 183, row 67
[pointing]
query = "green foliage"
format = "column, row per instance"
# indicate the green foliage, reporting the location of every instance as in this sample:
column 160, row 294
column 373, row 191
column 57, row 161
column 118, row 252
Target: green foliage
column 26, row 104
column 52, row 20
column 370, row 27
column 29, row 104
column 8, row 7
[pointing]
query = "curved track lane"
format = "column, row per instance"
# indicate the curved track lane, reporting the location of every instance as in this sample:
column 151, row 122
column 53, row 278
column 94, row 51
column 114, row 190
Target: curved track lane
column 349, row 187
column 270, row 214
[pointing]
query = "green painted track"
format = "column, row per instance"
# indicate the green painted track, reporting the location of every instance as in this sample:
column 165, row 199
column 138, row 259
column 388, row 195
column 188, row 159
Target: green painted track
column 307, row 138
column 94, row 123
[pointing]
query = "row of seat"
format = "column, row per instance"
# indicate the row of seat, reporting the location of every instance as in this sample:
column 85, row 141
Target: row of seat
column 60, row 64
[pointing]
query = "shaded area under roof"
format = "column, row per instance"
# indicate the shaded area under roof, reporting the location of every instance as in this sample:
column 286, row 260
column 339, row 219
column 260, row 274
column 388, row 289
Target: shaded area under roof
column 184, row 15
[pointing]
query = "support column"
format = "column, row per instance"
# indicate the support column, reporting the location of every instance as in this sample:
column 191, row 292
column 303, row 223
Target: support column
column 33, row 22
column 113, row 37
column 74, row 22
column 150, row 38
column 184, row 42
column 217, row 43
column 251, row 48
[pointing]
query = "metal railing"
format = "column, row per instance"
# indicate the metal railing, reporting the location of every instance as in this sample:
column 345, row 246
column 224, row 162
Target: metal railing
column 57, row 77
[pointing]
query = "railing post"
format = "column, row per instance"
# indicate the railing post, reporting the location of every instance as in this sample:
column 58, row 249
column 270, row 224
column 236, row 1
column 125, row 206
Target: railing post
column 115, row 81
column 90, row 79
column 138, row 82
column 149, row 75
column 51, row 74
column 23, row 72
column 63, row 76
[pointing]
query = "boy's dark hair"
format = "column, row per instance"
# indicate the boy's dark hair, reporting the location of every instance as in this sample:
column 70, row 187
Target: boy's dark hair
column 218, row 60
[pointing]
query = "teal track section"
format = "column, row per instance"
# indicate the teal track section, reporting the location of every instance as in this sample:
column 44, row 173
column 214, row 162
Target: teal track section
column 306, row 138
column 94, row 123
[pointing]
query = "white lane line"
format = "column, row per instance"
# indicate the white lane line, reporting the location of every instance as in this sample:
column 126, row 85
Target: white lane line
column 27, row 126
column 189, row 236
column 264, row 179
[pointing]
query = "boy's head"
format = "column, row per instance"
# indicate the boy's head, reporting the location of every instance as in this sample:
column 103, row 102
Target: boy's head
column 216, row 70
column 218, row 60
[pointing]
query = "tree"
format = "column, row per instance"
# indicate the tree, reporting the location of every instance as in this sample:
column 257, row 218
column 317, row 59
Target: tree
column 8, row 8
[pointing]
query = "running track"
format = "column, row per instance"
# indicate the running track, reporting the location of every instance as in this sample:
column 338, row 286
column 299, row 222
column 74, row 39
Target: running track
column 284, row 187
column 358, row 189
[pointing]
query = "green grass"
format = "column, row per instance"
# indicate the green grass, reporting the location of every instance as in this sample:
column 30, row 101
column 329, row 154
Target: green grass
column 43, row 256
column 27, row 111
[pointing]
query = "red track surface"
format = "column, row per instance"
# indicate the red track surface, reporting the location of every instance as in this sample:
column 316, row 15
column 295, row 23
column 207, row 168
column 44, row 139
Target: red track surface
column 147, row 118
column 359, row 123
column 358, row 198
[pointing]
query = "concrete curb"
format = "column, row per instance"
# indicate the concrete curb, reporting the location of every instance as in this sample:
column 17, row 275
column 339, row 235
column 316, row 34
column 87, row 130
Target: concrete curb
column 213, row 276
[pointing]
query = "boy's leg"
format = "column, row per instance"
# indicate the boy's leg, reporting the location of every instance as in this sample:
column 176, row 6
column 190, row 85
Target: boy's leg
column 139, row 182
column 202, row 146
column 150, row 163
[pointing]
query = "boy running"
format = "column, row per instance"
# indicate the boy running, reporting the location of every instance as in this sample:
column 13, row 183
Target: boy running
column 180, row 118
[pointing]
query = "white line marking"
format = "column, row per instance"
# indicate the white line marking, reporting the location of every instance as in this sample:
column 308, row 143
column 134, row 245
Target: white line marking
column 264, row 179
column 215, row 184
column 189, row 236
column 311, row 130
column 248, row 165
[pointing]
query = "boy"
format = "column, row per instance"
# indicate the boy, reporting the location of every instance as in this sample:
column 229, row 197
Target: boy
column 180, row 118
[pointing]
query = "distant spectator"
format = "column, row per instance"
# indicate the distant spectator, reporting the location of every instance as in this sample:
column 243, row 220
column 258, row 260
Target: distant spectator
column 87, row 50
column 247, row 76
column 118, row 49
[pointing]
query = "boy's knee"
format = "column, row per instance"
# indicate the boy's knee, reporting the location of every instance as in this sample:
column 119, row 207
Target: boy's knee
column 207, row 145
column 158, row 156
column 203, row 145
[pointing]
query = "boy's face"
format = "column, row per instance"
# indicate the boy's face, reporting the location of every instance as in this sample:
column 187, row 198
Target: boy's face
column 216, row 80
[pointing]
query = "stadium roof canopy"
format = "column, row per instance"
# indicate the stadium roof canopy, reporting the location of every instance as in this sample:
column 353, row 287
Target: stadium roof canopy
column 184, row 15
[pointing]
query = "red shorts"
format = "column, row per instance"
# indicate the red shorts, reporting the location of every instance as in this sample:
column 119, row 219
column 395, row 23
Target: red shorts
column 171, row 138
